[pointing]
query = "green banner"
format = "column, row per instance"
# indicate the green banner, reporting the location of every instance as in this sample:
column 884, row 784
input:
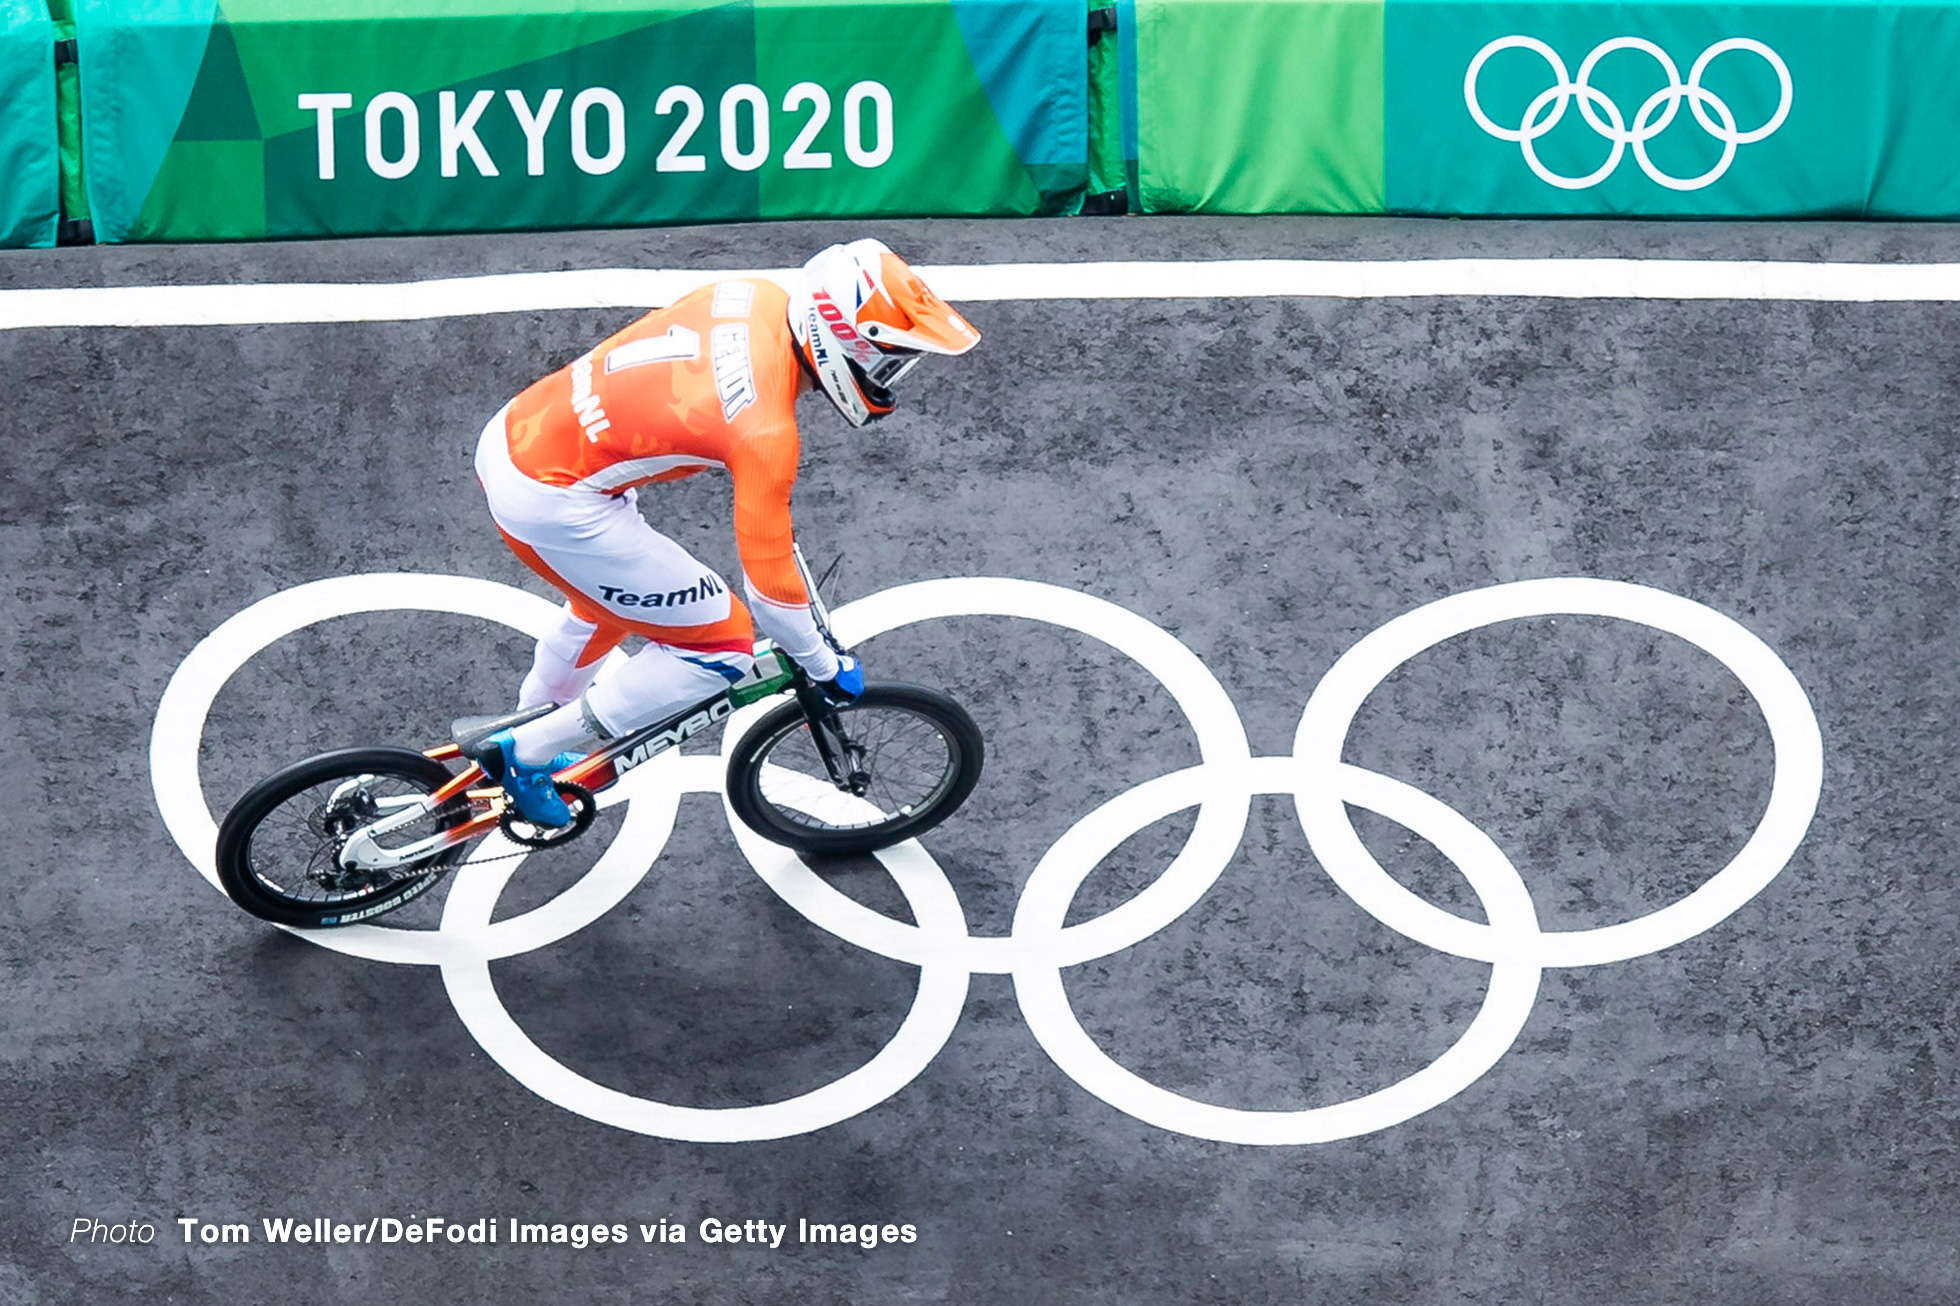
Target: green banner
column 253, row 118
column 1253, row 106
column 30, row 200
column 1108, row 164
column 209, row 120
column 1663, row 109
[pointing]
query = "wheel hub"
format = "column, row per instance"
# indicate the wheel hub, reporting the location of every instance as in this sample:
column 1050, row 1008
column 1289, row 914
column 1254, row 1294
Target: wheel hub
column 343, row 814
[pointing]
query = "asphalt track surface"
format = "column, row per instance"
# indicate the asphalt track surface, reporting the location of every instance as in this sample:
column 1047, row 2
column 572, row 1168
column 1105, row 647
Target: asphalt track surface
column 1763, row 1112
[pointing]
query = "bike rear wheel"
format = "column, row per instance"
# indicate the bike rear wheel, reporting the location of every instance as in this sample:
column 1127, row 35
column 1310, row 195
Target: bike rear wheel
column 279, row 844
column 916, row 752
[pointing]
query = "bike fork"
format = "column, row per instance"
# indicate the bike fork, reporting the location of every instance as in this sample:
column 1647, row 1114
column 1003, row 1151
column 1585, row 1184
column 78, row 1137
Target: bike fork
column 842, row 758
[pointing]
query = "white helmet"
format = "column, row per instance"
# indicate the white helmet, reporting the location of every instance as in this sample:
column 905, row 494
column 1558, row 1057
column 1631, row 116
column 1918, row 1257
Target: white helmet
column 862, row 318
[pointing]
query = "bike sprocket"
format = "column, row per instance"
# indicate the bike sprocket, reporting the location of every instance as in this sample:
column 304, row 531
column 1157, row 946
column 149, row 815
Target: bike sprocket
column 584, row 805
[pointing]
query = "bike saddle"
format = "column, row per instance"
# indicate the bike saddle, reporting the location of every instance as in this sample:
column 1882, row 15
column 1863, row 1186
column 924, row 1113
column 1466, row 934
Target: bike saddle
column 469, row 731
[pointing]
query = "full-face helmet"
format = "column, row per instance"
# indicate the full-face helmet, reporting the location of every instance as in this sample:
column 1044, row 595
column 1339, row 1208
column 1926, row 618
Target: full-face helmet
column 862, row 319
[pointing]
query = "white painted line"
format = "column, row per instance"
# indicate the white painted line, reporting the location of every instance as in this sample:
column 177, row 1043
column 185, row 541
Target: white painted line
column 1590, row 278
column 397, row 301
column 1577, row 278
column 937, row 938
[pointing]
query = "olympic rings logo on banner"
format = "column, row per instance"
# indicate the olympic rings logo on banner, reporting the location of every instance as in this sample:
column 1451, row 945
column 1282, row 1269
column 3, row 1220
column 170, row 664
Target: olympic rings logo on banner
column 1041, row 945
column 1653, row 117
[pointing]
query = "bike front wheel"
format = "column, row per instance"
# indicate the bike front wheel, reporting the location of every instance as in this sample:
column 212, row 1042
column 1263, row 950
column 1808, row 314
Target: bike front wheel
column 279, row 846
column 913, row 755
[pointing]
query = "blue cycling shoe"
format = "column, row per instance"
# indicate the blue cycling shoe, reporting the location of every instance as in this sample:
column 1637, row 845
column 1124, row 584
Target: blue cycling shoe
column 529, row 788
column 564, row 760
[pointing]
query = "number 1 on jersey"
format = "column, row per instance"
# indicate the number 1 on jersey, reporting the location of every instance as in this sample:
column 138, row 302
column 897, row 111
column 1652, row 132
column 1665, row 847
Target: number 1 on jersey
column 678, row 345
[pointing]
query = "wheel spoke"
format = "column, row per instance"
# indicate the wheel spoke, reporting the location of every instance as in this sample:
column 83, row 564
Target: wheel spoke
column 908, row 757
column 293, row 851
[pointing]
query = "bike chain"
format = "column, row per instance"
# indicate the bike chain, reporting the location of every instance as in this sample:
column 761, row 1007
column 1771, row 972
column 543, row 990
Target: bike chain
column 462, row 806
column 438, row 813
column 500, row 857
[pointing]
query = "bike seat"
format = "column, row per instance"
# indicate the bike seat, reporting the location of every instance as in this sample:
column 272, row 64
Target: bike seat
column 469, row 731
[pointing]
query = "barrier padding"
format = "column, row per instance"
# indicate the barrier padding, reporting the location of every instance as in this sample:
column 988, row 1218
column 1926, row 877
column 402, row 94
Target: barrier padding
column 342, row 117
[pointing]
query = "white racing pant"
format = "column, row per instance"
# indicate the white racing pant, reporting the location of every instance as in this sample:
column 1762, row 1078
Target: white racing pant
column 621, row 577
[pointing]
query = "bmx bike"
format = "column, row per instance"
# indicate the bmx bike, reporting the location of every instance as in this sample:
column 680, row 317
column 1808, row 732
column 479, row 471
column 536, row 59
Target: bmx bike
column 348, row 835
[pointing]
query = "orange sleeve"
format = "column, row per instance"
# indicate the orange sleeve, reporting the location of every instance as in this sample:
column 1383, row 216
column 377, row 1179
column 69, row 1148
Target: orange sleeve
column 762, row 464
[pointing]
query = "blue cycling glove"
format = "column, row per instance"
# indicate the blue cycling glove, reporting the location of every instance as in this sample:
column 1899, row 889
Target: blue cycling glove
column 847, row 684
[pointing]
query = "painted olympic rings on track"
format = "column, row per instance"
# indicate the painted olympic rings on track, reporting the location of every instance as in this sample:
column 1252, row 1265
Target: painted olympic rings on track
column 1650, row 120
column 1040, row 946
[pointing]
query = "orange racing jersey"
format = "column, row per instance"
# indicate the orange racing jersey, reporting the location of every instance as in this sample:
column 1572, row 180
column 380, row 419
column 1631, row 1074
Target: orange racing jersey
column 710, row 381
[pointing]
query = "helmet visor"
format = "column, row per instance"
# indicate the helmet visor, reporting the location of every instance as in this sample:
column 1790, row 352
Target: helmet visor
column 886, row 372
column 882, row 374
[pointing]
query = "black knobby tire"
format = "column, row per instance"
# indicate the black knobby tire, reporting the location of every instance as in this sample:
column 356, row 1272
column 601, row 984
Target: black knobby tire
column 284, row 893
column 947, row 772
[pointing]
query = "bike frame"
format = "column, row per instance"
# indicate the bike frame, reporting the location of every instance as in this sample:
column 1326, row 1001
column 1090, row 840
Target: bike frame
column 773, row 672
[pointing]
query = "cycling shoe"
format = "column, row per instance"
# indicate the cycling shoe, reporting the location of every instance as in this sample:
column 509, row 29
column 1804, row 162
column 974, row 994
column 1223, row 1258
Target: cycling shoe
column 529, row 788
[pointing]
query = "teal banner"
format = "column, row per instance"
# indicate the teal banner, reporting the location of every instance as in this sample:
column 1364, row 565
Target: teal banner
column 1750, row 110
column 30, row 150
column 251, row 118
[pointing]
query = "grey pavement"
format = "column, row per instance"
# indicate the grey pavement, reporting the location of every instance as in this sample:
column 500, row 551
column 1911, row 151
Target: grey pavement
column 1762, row 1113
